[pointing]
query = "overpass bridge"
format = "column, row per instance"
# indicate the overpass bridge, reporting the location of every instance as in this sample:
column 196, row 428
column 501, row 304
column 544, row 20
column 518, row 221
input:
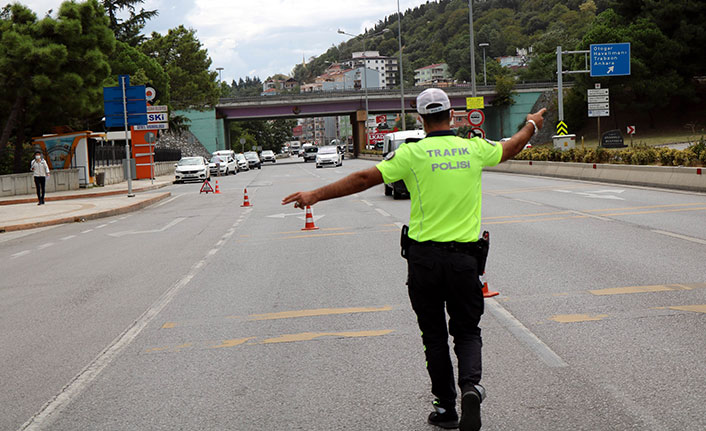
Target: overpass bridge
column 352, row 104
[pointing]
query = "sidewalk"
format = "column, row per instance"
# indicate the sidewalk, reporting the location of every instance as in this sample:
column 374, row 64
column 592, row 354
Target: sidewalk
column 22, row 212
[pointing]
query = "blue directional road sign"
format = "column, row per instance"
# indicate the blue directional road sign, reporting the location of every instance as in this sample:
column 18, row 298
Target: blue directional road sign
column 114, row 108
column 610, row 59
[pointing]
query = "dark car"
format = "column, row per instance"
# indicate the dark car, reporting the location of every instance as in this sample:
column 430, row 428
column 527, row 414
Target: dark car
column 310, row 152
column 253, row 160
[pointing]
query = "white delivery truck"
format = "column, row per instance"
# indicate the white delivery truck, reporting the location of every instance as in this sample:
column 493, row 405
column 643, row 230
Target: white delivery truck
column 391, row 143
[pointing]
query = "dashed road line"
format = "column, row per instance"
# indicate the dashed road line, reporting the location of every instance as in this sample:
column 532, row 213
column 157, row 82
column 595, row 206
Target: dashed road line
column 523, row 334
column 684, row 237
column 87, row 231
column 366, row 202
column 43, row 246
column 167, row 201
column 20, row 254
column 383, row 212
column 66, row 238
column 101, row 226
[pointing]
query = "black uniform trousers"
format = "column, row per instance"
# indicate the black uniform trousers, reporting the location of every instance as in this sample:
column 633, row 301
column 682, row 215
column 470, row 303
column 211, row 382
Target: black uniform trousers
column 439, row 280
column 40, row 185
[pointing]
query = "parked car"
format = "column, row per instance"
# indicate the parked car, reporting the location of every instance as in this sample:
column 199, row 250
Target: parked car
column 392, row 142
column 253, row 160
column 328, row 155
column 242, row 162
column 222, row 165
column 191, row 169
column 309, row 151
column 267, row 156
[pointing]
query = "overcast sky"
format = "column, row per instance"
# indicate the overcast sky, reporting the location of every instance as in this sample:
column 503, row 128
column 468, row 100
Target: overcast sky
column 261, row 37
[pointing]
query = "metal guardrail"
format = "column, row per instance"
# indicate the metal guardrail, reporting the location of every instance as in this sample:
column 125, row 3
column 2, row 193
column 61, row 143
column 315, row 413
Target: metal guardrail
column 409, row 92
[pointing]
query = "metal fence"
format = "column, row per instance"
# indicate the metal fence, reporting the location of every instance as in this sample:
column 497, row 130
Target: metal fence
column 112, row 155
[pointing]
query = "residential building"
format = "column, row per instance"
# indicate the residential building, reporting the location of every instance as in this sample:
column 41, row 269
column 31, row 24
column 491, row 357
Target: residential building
column 386, row 66
column 432, row 74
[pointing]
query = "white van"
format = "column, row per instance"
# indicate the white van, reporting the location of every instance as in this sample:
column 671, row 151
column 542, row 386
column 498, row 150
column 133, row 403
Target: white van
column 392, row 142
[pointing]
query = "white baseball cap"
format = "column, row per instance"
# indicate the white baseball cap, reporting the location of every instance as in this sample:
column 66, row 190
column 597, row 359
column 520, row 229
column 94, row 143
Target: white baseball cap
column 430, row 97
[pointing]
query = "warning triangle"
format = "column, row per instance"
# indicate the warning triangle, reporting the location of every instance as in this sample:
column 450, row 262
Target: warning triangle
column 206, row 187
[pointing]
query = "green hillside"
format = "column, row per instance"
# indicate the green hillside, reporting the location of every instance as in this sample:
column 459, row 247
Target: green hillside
column 667, row 40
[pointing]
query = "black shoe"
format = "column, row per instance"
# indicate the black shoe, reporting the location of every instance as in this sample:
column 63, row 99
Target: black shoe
column 470, row 408
column 446, row 418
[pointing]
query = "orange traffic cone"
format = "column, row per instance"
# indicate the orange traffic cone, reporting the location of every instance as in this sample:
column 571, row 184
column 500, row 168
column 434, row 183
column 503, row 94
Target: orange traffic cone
column 246, row 201
column 486, row 292
column 309, row 225
column 218, row 192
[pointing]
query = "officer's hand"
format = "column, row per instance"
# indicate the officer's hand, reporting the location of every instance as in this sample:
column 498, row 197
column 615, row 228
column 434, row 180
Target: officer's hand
column 537, row 117
column 300, row 199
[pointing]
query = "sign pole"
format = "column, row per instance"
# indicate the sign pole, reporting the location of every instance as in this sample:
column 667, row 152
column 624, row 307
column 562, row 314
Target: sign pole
column 130, row 194
column 560, row 83
column 599, row 131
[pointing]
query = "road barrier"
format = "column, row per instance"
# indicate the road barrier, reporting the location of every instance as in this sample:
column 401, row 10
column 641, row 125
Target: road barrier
column 672, row 177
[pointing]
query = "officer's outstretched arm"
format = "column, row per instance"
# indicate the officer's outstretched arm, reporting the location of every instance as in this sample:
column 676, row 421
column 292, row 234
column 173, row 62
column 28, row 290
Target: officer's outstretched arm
column 518, row 141
column 353, row 183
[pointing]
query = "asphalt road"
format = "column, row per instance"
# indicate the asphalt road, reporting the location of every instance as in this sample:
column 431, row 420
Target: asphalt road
column 198, row 314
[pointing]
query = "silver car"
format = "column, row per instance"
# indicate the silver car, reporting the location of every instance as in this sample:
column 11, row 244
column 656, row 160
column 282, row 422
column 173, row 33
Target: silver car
column 191, row 169
column 328, row 155
column 267, row 156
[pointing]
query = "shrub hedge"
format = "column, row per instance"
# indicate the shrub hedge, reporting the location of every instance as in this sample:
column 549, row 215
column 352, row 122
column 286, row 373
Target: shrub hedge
column 695, row 155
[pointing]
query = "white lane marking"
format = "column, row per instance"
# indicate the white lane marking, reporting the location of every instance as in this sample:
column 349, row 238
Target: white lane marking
column 399, row 224
column 591, row 215
column 684, row 237
column 87, row 231
column 524, row 335
column 101, row 226
column 366, row 202
column 283, row 215
column 20, row 254
column 167, row 201
column 528, row 202
column 66, row 238
column 383, row 212
column 212, row 252
column 112, row 221
column 43, row 418
column 9, row 236
column 123, row 217
column 43, row 246
column 220, row 242
column 130, row 232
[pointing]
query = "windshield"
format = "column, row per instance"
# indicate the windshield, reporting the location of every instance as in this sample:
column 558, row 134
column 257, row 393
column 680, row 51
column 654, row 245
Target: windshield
column 311, row 150
column 190, row 161
column 240, row 157
column 267, row 153
column 216, row 159
column 327, row 150
column 251, row 156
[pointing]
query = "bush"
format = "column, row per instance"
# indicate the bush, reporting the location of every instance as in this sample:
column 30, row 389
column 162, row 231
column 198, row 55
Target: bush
column 639, row 155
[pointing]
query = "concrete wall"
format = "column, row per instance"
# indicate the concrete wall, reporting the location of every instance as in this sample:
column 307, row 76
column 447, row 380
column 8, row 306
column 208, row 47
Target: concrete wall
column 680, row 178
column 114, row 174
column 513, row 116
column 209, row 130
column 23, row 184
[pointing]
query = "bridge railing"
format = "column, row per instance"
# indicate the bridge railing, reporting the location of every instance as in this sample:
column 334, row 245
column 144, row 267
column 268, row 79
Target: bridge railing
column 381, row 92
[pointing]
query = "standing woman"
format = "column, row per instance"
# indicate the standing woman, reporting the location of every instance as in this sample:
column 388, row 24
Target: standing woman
column 41, row 171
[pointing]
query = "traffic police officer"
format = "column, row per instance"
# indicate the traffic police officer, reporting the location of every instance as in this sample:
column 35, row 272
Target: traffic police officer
column 443, row 175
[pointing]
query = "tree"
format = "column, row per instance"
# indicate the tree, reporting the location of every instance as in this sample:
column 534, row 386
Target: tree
column 268, row 134
column 143, row 70
column 52, row 69
column 128, row 30
column 180, row 53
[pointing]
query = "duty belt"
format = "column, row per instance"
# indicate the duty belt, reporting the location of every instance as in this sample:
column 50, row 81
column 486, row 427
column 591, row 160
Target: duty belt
column 453, row 246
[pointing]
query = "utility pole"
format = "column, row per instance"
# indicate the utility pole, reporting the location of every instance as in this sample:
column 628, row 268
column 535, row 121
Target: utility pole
column 473, row 50
column 399, row 36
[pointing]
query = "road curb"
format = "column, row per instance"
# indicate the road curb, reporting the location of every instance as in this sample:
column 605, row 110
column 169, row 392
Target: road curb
column 81, row 196
column 92, row 216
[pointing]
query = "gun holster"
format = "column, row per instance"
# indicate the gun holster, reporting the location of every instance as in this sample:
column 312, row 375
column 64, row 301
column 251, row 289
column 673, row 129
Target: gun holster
column 404, row 241
column 481, row 252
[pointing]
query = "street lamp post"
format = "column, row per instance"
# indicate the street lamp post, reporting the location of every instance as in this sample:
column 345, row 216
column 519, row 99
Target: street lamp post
column 473, row 50
column 484, row 45
column 220, row 73
column 365, row 73
column 399, row 36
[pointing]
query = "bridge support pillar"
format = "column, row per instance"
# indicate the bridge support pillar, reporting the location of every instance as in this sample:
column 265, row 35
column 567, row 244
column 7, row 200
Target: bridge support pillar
column 359, row 135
